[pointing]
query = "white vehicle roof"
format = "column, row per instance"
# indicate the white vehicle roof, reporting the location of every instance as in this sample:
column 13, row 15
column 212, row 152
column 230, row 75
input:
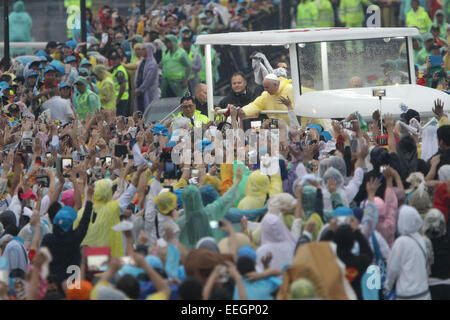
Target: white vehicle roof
column 289, row 36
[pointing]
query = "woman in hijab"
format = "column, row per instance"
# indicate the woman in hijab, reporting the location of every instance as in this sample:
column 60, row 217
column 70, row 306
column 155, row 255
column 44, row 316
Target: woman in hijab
column 345, row 237
column 406, row 266
column 435, row 228
column 387, row 214
column 146, row 80
column 195, row 223
column 348, row 190
column 277, row 240
column 64, row 242
column 105, row 86
column 407, row 158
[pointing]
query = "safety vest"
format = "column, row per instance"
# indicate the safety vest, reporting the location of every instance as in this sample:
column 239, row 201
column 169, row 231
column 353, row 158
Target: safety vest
column 199, row 119
column 202, row 72
column 191, row 60
column 125, row 95
column 419, row 19
column 351, row 13
column 307, row 14
column 68, row 3
column 326, row 13
column 172, row 68
column 421, row 56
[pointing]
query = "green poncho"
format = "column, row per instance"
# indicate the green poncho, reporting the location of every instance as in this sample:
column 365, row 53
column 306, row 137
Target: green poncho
column 194, row 224
column 87, row 101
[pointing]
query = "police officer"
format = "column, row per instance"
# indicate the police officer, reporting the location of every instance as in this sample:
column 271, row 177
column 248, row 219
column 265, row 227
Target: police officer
column 121, row 85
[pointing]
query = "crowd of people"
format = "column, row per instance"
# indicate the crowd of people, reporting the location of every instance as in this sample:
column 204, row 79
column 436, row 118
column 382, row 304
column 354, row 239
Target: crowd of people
column 94, row 206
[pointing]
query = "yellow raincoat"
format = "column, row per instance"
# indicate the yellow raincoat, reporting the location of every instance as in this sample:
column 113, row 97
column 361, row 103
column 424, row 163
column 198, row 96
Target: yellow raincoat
column 267, row 101
column 259, row 186
column 107, row 214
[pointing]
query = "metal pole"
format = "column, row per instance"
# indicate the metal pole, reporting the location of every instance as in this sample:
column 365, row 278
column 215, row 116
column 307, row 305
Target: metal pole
column 6, row 29
column 209, row 81
column 142, row 6
column 324, row 55
column 83, row 24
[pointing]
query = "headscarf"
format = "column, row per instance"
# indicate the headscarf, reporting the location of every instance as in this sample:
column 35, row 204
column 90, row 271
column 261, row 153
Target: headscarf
column 197, row 224
column 256, row 189
column 209, row 194
column 335, row 174
column 211, row 180
column 166, row 202
column 301, row 289
column 100, row 70
column 421, row 201
column 273, row 230
column 8, row 219
column 207, row 243
column 444, row 173
column 401, row 196
column 344, row 239
column 333, row 162
column 107, row 215
column 434, row 225
column 68, row 198
column 319, row 224
column 309, row 194
column 17, row 258
column 81, row 293
column 102, row 192
column 65, row 218
column 409, row 220
column 379, row 157
column 247, row 251
column 282, row 203
column 150, row 48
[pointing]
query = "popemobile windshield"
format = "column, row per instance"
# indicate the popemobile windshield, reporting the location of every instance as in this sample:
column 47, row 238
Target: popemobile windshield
column 350, row 67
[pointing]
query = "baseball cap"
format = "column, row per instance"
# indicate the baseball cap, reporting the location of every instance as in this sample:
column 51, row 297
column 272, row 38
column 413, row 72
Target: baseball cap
column 202, row 16
column 4, row 85
column 71, row 44
column 33, row 74
column 49, row 69
column 114, row 55
column 70, row 59
column 64, row 85
column 85, row 62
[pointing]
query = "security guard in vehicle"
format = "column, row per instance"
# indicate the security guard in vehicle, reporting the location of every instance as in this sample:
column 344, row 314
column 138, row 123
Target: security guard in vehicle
column 188, row 110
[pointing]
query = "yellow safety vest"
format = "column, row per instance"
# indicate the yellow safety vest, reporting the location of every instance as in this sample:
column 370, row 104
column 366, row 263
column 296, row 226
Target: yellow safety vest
column 125, row 95
column 172, row 68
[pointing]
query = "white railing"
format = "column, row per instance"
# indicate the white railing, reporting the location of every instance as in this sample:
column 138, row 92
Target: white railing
column 22, row 45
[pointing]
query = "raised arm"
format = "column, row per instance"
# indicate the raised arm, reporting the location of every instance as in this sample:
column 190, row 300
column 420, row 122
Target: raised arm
column 159, row 283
